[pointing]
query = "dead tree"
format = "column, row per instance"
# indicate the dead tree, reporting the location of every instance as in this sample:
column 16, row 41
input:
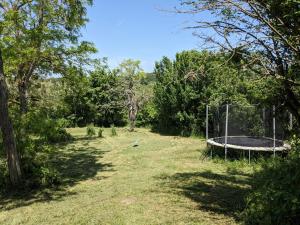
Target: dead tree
column 133, row 107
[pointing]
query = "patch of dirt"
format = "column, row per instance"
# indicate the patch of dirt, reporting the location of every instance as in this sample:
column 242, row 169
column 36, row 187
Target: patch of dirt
column 128, row 200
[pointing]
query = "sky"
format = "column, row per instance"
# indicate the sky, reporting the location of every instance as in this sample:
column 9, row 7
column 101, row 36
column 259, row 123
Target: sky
column 144, row 30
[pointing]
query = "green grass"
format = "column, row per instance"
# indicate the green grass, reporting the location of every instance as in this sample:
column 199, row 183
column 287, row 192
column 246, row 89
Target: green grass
column 164, row 180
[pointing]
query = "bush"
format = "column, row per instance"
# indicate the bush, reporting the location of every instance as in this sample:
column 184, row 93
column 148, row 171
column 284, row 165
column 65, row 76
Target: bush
column 37, row 169
column 113, row 131
column 147, row 115
column 3, row 174
column 275, row 198
column 34, row 131
column 90, row 130
column 48, row 130
column 100, row 132
column 49, row 176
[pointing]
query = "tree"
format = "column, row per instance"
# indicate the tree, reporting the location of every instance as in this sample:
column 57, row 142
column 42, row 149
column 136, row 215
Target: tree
column 36, row 37
column 105, row 96
column 39, row 37
column 131, row 73
column 194, row 79
column 265, row 34
column 9, row 142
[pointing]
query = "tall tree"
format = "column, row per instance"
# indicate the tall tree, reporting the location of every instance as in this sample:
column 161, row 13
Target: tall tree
column 9, row 142
column 266, row 34
column 106, row 96
column 36, row 37
column 39, row 34
column 132, row 73
column 194, row 79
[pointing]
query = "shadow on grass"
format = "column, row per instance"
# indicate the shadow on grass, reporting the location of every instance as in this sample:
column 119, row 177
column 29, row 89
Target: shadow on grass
column 215, row 193
column 74, row 164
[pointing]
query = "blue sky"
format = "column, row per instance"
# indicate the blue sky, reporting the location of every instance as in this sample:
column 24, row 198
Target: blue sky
column 138, row 29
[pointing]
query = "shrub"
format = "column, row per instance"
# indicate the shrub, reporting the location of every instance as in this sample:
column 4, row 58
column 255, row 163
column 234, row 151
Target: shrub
column 35, row 123
column 275, row 198
column 90, row 130
column 147, row 115
column 100, row 132
column 3, row 174
column 57, row 135
column 113, row 131
column 34, row 131
column 49, row 176
column 38, row 170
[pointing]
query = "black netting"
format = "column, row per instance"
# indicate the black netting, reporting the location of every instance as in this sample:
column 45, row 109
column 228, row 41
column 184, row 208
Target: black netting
column 251, row 126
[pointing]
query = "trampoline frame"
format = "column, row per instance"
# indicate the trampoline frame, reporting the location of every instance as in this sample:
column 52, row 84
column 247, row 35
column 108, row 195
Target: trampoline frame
column 274, row 148
column 284, row 147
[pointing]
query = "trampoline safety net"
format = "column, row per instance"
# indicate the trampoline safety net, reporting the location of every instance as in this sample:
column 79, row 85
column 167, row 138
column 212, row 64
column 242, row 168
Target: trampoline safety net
column 248, row 126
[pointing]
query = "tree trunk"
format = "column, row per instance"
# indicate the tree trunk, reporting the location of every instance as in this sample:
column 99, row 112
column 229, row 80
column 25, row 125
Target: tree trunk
column 132, row 109
column 9, row 143
column 22, row 87
column 132, row 117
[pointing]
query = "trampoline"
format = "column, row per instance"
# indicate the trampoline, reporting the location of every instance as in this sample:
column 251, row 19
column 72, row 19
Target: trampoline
column 247, row 128
column 249, row 143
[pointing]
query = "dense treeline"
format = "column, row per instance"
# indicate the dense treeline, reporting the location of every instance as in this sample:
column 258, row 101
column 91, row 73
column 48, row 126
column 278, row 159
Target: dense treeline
column 171, row 99
column 196, row 79
column 96, row 98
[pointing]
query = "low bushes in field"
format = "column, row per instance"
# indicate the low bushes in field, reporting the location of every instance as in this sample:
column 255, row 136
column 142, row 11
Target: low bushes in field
column 113, row 131
column 100, row 132
column 90, row 130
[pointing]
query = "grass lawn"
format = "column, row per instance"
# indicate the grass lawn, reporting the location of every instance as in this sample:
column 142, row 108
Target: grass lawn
column 164, row 180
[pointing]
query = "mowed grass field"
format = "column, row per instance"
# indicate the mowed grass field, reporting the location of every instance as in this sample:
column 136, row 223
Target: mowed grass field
column 164, row 180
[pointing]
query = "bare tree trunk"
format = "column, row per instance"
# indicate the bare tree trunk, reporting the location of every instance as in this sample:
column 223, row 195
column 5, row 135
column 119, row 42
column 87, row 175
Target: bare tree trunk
column 132, row 117
column 132, row 110
column 9, row 142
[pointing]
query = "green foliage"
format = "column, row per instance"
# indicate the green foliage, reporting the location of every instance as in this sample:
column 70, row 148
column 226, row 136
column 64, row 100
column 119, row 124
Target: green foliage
column 275, row 196
column 34, row 132
column 48, row 130
column 113, row 131
column 106, row 97
column 253, row 32
column 147, row 115
column 97, row 98
column 194, row 79
column 100, row 132
column 186, row 85
column 4, row 181
column 37, row 167
column 90, row 130
column 49, row 176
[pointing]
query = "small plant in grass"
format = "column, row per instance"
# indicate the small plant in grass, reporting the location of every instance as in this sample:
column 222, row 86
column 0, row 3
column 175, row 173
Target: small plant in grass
column 100, row 132
column 113, row 131
column 90, row 130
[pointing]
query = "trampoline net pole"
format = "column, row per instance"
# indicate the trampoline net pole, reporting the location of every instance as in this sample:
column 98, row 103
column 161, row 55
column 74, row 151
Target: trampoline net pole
column 249, row 156
column 226, row 130
column 291, row 121
column 274, row 130
column 264, row 122
column 207, row 109
column 206, row 122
